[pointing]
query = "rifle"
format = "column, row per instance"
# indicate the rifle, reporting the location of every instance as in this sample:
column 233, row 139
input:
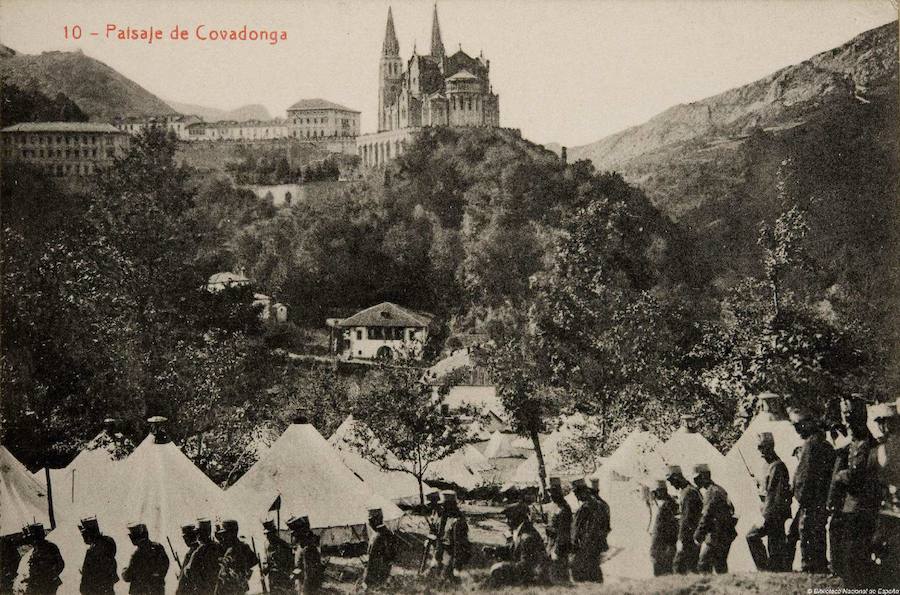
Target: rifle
column 262, row 579
column 175, row 555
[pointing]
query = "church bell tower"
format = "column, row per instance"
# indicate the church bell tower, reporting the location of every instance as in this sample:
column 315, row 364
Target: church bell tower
column 390, row 73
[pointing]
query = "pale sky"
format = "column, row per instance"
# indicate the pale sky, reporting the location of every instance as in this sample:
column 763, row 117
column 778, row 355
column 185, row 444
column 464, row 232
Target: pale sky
column 568, row 71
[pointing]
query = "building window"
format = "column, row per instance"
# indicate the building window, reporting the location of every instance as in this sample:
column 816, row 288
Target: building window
column 358, row 335
column 371, row 332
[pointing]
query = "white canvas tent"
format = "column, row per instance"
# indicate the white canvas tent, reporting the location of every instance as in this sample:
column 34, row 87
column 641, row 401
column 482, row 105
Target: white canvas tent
column 499, row 446
column 745, row 452
column 457, row 470
column 311, row 478
column 22, row 499
column 399, row 487
column 526, row 474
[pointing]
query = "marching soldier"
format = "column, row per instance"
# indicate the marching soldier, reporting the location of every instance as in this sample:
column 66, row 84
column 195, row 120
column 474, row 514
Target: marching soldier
column 887, row 534
column 715, row 532
column 526, row 562
column 9, row 560
column 202, row 569
column 776, row 509
column 189, row 535
column 99, row 571
column 589, row 531
column 665, row 530
column 453, row 539
column 279, row 564
column 308, row 572
column 860, row 483
column 690, row 506
column 382, row 551
column 238, row 560
column 45, row 564
column 811, row 482
column 146, row 571
column 559, row 534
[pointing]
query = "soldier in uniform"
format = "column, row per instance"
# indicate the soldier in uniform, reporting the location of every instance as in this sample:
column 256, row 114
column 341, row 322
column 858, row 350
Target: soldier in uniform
column 279, row 561
column 453, row 539
column 146, row 571
column 382, row 551
column 690, row 506
column 45, row 564
column 811, row 482
column 238, row 560
column 775, row 494
column 589, row 530
column 887, row 534
column 526, row 559
column 664, row 532
column 308, row 572
column 99, row 572
column 860, row 483
column 9, row 560
column 837, row 493
column 202, row 569
column 189, row 535
column 715, row 532
column 559, row 533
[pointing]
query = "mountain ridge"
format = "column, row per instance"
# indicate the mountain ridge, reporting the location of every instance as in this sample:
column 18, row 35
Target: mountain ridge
column 252, row 111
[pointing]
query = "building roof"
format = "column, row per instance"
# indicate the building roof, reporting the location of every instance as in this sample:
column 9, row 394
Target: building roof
column 462, row 74
column 62, row 127
column 319, row 104
column 386, row 314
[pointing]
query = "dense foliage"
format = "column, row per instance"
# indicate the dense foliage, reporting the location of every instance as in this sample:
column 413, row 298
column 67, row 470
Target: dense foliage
column 30, row 105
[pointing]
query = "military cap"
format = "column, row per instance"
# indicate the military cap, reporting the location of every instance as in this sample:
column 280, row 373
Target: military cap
column 34, row 530
column 227, row 525
column 189, row 530
column 137, row 529
column 579, row 484
column 89, row 525
column 659, row 484
column 296, row 522
column 883, row 411
column 447, row 496
column 269, row 526
column 673, row 470
column 555, row 482
column 204, row 524
column 433, row 496
column 765, row 439
column 595, row 483
column 701, row 468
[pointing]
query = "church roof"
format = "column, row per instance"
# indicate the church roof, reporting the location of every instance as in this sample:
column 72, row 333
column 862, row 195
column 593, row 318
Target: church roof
column 462, row 75
column 316, row 104
column 390, row 47
column 437, row 46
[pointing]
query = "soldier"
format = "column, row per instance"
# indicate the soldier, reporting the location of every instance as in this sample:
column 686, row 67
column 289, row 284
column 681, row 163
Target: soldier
column 382, row 551
column 776, row 509
column 308, row 572
column 279, row 563
column 859, row 481
column 665, row 530
column 202, row 569
column 690, row 506
column 9, row 560
column 434, row 516
column 559, row 533
column 146, row 571
column 45, row 564
column 811, row 481
column 715, row 532
column 238, row 560
column 189, row 535
column 453, row 539
column 99, row 571
column 887, row 533
column 526, row 562
column 837, row 493
column 589, row 530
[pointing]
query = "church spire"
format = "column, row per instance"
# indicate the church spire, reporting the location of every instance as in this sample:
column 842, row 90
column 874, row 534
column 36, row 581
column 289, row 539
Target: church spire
column 437, row 46
column 390, row 46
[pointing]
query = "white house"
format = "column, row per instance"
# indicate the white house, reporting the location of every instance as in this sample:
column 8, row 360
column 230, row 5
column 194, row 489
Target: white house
column 380, row 332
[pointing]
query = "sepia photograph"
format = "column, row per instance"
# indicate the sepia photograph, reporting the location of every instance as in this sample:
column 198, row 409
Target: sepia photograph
column 454, row 296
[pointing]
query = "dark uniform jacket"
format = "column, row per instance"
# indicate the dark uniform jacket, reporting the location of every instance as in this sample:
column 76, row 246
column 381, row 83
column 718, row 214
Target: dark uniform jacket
column 146, row 572
column 382, row 551
column 690, row 509
column 859, row 479
column 559, row 532
column 837, row 492
column 279, row 565
column 44, row 568
column 454, row 541
column 9, row 563
column 527, row 555
column 813, row 476
column 185, row 584
column 590, row 527
column 777, row 493
column 99, row 572
column 665, row 529
column 716, row 525
column 235, row 569
column 308, row 569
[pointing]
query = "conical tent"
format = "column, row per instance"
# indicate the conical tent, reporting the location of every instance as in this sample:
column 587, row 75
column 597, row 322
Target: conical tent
column 636, row 458
column 526, row 474
column 499, row 446
column 456, row 469
column 475, row 459
column 22, row 499
column 399, row 487
column 312, row 480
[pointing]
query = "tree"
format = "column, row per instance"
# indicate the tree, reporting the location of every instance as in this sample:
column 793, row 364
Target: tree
column 407, row 417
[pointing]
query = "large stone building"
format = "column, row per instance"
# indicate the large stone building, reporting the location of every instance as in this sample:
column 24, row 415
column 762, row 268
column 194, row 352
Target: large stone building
column 63, row 149
column 431, row 90
column 318, row 118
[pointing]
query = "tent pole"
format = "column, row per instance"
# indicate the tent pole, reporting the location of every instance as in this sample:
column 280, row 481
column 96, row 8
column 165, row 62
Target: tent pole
column 49, row 498
column 73, row 485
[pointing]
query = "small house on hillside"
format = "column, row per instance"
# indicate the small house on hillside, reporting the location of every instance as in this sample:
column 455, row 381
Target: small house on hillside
column 380, row 332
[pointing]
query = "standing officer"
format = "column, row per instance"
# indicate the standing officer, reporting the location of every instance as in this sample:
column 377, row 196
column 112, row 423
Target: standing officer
column 526, row 559
column 308, row 572
column 887, row 534
column 837, row 493
column 382, row 551
column 202, row 569
column 559, row 533
column 45, row 564
column 189, row 535
column 589, row 531
column 453, row 539
column 146, row 571
column 279, row 565
column 664, row 532
column 859, row 481
column 715, row 532
column 238, row 560
column 99, row 571
column 811, row 482
column 690, row 506
column 776, row 509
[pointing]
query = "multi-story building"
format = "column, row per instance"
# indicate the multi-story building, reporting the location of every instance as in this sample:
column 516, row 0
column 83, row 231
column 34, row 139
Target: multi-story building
column 177, row 123
column 248, row 130
column 318, row 118
column 63, row 148
column 384, row 331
